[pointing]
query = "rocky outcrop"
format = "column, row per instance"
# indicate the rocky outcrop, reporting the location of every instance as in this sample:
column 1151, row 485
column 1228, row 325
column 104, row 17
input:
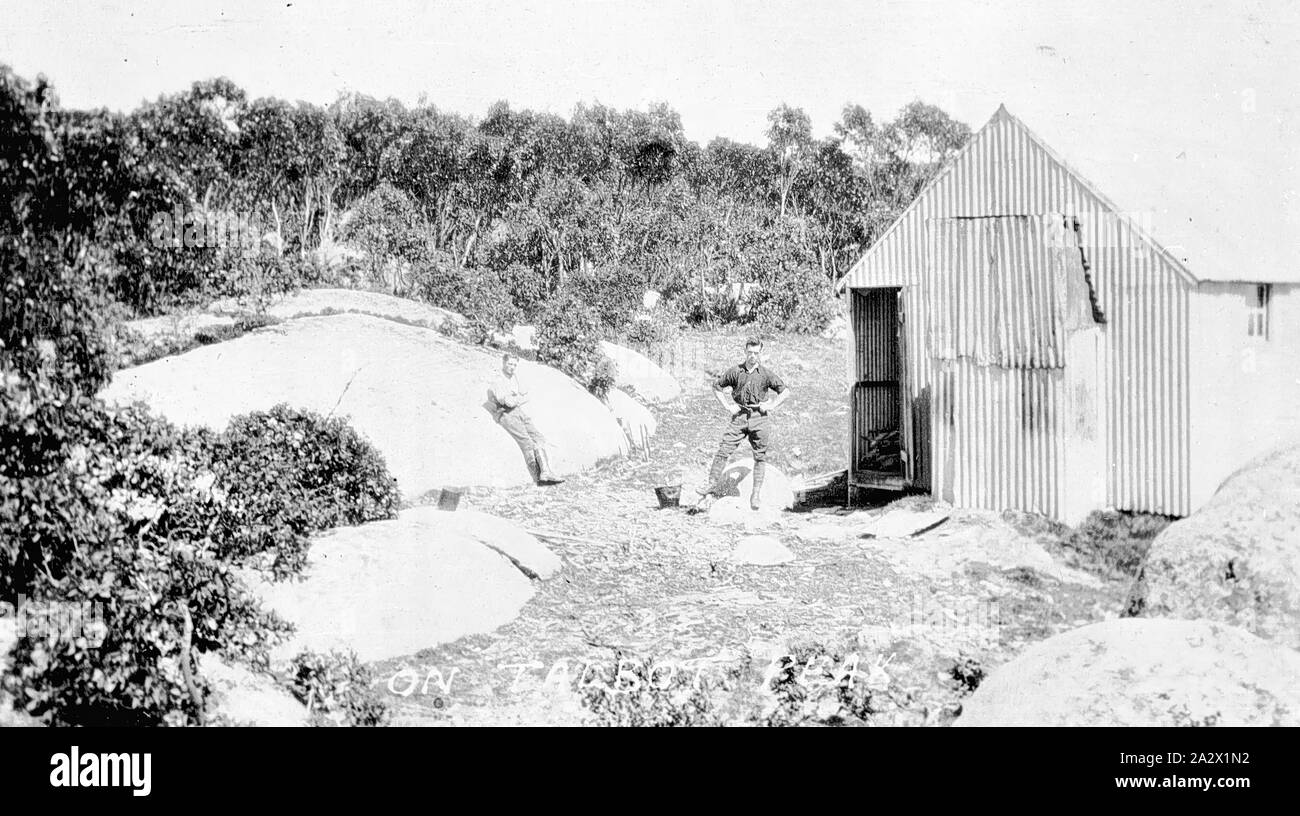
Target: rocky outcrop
column 1133, row 672
column 419, row 397
column 1237, row 559
column 638, row 373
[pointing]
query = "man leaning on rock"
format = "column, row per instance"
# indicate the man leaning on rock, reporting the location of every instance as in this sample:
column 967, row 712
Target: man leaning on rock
column 508, row 398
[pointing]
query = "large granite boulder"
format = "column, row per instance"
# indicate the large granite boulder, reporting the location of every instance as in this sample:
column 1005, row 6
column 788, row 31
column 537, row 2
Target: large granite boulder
column 1143, row 672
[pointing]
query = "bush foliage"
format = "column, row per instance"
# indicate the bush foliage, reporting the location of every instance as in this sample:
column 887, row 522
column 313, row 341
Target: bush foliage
column 634, row 692
column 336, row 688
column 121, row 523
column 287, row 473
column 148, row 524
column 1114, row 543
column 606, row 201
column 568, row 338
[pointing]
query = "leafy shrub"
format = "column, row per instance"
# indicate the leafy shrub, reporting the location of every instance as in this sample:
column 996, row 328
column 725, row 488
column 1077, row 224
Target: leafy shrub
column 52, row 313
column 149, row 522
column 659, row 328
column 527, row 288
column 634, row 692
column 816, row 686
column 968, row 673
column 1114, row 543
column 336, row 688
column 436, row 278
column 478, row 294
column 387, row 225
column 798, row 301
column 287, row 473
column 490, row 308
column 612, row 292
column 706, row 308
column 254, row 280
column 124, row 522
column 568, row 337
column 603, row 377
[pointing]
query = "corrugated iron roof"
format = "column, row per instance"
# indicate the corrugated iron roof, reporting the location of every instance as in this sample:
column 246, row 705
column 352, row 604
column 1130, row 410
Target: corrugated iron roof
column 1218, row 202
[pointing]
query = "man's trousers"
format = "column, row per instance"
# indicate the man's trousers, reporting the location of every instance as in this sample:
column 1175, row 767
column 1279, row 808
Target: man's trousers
column 746, row 425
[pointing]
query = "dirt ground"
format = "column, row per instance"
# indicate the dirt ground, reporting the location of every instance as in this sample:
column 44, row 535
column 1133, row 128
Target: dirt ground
column 851, row 632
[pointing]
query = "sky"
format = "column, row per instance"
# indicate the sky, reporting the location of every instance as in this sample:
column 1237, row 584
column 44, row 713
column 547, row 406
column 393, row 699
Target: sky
column 1117, row 85
column 722, row 64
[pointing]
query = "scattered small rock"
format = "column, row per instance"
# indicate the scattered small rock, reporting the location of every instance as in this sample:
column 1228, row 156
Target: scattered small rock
column 731, row 510
column 761, row 550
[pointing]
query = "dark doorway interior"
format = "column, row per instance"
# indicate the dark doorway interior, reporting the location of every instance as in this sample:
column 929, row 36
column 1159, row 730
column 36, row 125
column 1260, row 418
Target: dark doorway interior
column 877, row 395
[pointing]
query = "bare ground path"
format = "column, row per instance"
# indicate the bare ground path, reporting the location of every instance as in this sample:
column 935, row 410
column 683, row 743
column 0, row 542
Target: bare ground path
column 657, row 584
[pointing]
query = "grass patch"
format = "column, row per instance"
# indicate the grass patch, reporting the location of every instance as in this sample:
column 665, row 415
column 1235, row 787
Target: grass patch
column 1111, row 543
column 135, row 349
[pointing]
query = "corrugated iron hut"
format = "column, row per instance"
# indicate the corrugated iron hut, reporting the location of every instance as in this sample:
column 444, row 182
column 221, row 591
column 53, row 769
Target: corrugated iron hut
column 1019, row 342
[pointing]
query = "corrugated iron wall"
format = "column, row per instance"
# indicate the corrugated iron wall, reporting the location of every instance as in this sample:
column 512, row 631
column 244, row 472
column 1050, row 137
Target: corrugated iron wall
column 876, row 326
column 876, row 394
column 994, row 298
column 997, row 440
column 1005, row 170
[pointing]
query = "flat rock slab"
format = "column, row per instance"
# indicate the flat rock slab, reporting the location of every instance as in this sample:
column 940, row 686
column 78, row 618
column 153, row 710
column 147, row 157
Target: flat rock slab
column 420, row 398
column 761, row 550
column 505, row 537
column 1138, row 672
column 731, row 511
column 392, row 588
column 904, row 523
column 974, row 537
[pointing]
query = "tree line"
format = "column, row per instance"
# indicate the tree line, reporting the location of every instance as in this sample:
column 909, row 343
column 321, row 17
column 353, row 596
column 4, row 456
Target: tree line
column 517, row 202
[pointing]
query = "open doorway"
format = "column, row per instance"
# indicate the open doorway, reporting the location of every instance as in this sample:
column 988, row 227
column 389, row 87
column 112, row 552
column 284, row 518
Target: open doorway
column 877, row 400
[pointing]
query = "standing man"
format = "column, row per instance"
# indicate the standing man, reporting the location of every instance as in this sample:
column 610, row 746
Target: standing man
column 509, row 398
column 748, row 405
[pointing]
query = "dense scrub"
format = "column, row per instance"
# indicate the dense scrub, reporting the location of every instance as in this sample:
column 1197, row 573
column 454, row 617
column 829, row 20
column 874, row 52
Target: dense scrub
column 143, row 526
column 207, row 193
column 121, row 535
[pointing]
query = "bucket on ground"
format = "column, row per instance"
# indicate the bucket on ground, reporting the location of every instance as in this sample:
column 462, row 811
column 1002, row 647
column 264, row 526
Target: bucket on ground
column 449, row 498
column 668, row 495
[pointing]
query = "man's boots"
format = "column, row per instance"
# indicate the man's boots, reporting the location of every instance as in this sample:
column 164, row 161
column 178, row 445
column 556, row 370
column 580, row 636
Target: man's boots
column 713, row 488
column 531, row 459
column 544, row 474
column 755, row 494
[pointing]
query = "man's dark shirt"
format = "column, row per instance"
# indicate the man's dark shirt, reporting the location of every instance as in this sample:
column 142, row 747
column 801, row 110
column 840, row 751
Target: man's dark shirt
column 749, row 388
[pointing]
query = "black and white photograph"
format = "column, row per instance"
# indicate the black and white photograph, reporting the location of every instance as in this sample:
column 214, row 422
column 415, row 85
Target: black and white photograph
column 637, row 364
